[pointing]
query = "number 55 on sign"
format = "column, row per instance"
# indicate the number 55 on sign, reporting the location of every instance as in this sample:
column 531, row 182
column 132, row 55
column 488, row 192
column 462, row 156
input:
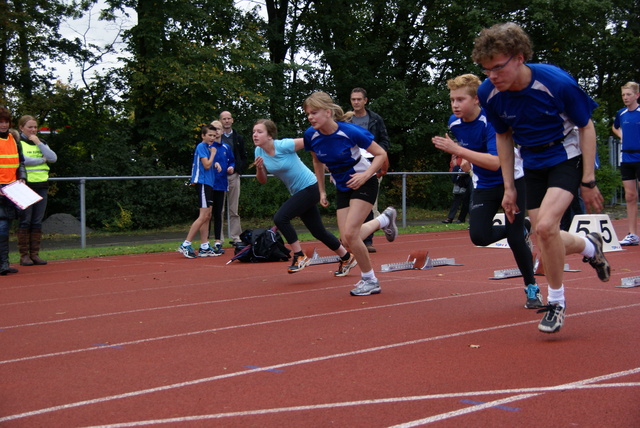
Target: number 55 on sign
column 601, row 223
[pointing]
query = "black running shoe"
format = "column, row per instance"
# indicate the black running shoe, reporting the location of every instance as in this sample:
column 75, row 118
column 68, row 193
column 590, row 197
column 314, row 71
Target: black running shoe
column 553, row 319
column 598, row 261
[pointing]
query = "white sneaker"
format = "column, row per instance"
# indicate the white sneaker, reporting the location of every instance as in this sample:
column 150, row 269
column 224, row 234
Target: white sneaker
column 365, row 287
column 391, row 230
column 630, row 239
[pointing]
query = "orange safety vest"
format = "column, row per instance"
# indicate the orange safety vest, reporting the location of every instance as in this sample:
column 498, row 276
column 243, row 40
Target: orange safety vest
column 9, row 160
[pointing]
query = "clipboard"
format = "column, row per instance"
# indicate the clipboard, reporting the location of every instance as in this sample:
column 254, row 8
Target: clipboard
column 21, row 194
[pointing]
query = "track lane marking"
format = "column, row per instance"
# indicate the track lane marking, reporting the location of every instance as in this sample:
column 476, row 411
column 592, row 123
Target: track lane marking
column 295, row 363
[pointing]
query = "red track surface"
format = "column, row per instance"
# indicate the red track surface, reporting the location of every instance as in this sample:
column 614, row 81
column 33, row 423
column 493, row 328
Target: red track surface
column 161, row 340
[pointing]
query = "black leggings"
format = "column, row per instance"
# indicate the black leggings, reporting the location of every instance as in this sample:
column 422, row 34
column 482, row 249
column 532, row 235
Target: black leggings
column 304, row 204
column 485, row 203
column 216, row 213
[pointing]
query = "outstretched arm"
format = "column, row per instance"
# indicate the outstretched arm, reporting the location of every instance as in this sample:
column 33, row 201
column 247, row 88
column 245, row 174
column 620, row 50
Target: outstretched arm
column 484, row 160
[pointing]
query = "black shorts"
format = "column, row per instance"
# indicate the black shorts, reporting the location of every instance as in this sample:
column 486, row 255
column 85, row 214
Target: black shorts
column 367, row 192
column 205, row 195
column 630, row 171
column 566, row 175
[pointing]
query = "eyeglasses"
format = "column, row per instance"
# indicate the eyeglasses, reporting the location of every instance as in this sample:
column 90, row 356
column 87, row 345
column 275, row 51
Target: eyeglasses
column 497, row 68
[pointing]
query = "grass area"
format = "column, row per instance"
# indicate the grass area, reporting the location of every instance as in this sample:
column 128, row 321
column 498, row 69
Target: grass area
column 429, row 222
column 419, row 221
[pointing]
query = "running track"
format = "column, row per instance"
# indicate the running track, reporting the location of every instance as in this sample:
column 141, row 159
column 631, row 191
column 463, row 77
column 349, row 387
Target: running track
column 159, row 340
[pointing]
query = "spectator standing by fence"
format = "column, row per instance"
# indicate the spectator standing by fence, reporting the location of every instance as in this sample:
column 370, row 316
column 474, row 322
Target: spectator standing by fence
column 37, row 157
column 224, row 157
column 202, row 177
column 461, row 189
column 626, row 126
column 234, row 140
column 372, row 122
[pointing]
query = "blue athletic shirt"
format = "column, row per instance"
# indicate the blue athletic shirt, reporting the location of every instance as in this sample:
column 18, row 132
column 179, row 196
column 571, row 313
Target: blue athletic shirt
column 479, row 136
column 224, row 156
column 550, row 108
column 340, row 151
column 287, row 166
column 198, row 173
column 629, row 121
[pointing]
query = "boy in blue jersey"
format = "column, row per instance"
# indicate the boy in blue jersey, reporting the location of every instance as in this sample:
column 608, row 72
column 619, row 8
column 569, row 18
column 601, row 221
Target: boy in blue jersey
column 226, row 160
column 626, row 126
column 542, row 109
column 477, row 145
column 202, row 178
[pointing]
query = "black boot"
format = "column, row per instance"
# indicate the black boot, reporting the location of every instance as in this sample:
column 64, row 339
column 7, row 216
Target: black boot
column 4, row 256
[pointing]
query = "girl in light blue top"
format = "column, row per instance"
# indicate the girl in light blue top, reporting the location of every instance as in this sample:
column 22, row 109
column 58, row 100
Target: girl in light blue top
column 279, row 158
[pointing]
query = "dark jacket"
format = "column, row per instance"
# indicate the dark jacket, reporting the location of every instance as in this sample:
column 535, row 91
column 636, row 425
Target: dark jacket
column 236, row 141
column 378, row 129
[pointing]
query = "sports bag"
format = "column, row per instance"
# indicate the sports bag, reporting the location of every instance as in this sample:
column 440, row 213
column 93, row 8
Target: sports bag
column 261, row 245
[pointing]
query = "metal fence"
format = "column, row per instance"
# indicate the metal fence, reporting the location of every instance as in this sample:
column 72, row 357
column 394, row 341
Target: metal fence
column 614, row 159
column 83, row 181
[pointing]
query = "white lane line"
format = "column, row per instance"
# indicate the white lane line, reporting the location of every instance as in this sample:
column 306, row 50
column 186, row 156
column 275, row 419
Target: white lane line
column 568, row 386
column 279, row 366
column 192, row 333
column 532, row 392
column 159, row 308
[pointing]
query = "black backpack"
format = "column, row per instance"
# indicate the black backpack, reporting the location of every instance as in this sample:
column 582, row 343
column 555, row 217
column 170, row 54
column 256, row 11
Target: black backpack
column 261, row 245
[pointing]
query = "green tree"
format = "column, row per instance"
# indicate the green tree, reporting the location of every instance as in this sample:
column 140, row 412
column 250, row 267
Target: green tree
column 29, row 35
column 188, row 63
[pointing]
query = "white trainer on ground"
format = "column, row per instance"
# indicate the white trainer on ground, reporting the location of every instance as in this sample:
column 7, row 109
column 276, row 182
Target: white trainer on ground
column 630, row 239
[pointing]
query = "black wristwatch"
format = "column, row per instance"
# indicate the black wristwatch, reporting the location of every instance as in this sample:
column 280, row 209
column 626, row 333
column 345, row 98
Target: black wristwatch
column 590, row 184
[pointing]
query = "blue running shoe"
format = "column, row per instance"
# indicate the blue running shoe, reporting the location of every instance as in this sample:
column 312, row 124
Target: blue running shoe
column 187, row 251
column 534, row 297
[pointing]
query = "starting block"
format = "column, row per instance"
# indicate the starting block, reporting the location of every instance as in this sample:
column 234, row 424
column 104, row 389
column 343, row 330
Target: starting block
column 419, row 260
column 633, row 281
column 442, row 261
column 538, row 268
column 583, row 224
column 500, row 220
column 515, row 272
column 506, row 273
column 317, row 260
